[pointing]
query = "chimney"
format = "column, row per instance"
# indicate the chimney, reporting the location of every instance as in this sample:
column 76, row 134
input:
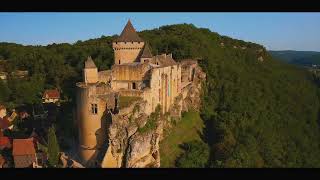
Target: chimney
column 170, row 55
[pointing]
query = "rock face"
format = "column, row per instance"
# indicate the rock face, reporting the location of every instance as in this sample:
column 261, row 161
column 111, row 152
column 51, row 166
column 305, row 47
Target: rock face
column 192, row 92
column 128, row 147
column 134, row 137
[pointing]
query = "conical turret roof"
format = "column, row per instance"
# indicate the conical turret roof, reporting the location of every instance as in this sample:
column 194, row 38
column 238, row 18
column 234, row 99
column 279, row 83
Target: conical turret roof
column 129, row 34
column 146, row 52
column 89, row 63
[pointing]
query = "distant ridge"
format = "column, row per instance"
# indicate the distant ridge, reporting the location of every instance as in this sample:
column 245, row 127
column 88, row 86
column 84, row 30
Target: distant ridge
column 301, row 58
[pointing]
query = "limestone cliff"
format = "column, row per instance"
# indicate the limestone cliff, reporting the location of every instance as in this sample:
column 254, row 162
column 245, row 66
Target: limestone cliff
column 134, row 137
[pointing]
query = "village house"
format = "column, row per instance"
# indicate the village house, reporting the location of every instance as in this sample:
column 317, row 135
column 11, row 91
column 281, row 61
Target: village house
column 24, row 153
column 51, row 96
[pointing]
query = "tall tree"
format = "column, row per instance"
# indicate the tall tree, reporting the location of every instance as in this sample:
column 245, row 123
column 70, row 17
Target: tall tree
column 53, row 148
column 196, row 155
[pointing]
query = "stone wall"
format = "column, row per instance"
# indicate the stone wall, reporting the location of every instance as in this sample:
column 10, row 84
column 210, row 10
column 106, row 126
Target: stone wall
column 132, row 72
column 126, row 52
column 90, row 75
column 164, row 87
column 104, row 76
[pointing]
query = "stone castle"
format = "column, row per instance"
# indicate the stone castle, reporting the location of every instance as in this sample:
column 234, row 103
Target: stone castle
column 157, row 80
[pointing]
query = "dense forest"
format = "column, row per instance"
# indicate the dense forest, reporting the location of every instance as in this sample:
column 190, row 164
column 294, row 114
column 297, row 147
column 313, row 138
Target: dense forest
column 257, row 111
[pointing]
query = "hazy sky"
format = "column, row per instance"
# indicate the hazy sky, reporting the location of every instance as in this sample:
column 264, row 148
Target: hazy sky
column 276, row 31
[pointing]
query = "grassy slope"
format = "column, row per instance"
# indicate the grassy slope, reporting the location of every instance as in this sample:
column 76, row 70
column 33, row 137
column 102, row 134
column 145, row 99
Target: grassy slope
column 187, row 129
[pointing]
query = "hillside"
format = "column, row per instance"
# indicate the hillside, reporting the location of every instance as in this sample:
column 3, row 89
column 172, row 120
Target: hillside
column 301, row 58
column 257, row 111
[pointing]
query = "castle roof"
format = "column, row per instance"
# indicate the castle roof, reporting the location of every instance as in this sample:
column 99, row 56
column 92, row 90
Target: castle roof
column 165, row 60
column 129, row 34
column 89, row 63
column 146, row 52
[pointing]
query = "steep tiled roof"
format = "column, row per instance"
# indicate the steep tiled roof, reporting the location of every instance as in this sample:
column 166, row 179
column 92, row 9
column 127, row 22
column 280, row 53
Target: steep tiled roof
column 51, row 93
column 89, row 63
column 129, row 34
column 23, row 147
column 4, row 123
column 4, row 142
column 146, row 52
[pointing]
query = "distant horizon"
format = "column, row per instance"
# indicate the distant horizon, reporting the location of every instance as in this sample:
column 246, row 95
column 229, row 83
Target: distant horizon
column 274, row 31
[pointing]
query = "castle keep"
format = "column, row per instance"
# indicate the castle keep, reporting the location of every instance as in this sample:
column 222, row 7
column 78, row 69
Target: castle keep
column 136, row 73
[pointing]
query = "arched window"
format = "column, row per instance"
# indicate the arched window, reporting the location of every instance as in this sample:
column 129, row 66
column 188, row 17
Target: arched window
column 119, row 61
column 94, row 108
column 134, row 86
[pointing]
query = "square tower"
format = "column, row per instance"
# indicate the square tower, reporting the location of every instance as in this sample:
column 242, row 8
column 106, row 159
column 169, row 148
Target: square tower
column 127, row 46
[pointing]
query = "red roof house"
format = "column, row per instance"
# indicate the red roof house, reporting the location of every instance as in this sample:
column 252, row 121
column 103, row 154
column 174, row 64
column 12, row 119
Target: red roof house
column 51, row 96
column 4, row 142
column 24, row 152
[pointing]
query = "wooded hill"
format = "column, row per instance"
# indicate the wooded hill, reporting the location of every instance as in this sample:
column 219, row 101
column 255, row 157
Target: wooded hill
column 300, row 58
column 257, row 111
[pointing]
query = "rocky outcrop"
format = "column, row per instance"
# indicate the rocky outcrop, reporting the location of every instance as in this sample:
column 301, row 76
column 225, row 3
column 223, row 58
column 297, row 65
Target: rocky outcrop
column 134, row 137
column 128, row 147
column 191, row 93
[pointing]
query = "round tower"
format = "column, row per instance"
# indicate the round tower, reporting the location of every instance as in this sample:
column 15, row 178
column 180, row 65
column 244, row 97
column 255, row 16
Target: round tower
column 127, row 46
column 90, row 113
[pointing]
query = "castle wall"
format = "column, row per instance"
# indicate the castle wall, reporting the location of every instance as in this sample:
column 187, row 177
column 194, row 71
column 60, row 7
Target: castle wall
column 136, row 93
column 104, row 76
column 129, row 72
column 126, row 52
column 164, row 87
column 92, row 132
column 127, row 85
column 90, row 75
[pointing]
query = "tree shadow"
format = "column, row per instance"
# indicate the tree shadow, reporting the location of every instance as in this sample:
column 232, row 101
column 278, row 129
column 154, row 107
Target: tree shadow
column 210, row 135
